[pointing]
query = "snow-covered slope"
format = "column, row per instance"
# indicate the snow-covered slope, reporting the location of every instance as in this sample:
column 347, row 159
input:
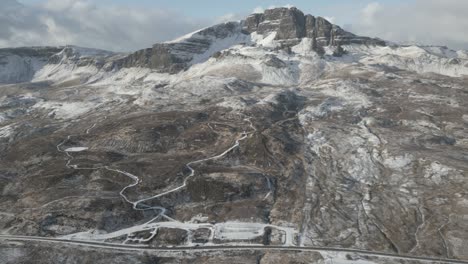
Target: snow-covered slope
column 178, row 55
column 20, row 64
column 50, row 63
column 270, row 48
column 74, row 64
column 14, row 68
column 421, row 59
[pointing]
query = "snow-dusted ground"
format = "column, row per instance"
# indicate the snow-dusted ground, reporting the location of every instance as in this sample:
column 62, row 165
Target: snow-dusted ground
column 66, row 110
column 6, row 131
column 419, row 59
column 15, row 68
column 341, row 258
column 231, row 232
column 234, row 233
column 256, row 70
column 243, row 57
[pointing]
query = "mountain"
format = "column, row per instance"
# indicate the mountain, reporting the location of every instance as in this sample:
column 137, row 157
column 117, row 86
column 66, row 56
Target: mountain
column 289, row 25
column 275, row 30
column 280, row 130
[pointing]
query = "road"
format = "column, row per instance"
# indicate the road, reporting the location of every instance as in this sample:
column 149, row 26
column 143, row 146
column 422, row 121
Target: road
column 139, row 204
column 223, row 248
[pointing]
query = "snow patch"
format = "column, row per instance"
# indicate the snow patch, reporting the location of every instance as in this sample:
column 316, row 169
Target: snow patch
column 304, row 47
column 269, row 99
column 14, row 68
column 343, row 258
column 347, row 92
column 465, row 118
column 413, row 58
column 322, row 110
column 438, row 173
column 76, row 149
column 65, row 72
column 234, row 103
column 265, row 41
column 65, row 110
column 6, row 131
column 397, row 162
column 219, row 45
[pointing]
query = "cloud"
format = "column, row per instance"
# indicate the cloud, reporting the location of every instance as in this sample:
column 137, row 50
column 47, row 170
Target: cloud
column 83, row 23
column 228, row 17
column 120, row 28
column 330, row 19
column 261, row 9
column 370, row 12
column 432, row 22
column 258, row 10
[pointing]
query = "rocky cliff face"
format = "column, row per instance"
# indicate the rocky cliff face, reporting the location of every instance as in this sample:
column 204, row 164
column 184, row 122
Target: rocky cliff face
column 20, row 64
column 292, row 24
column 275, row 29
column 80, row 57
column 40, row 63
column 289, row 24
column 172, row 57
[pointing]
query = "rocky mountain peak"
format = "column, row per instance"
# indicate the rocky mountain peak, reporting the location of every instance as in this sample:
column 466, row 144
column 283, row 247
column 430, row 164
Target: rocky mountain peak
column 291, row 25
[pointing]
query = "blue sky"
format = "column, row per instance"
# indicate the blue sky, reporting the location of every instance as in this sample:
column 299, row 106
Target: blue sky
column 345, row 11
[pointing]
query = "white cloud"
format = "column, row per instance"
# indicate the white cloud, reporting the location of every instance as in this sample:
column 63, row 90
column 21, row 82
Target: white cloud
column 83, row 23
column 113, row 27
column 261, row 9
column 228, row 17
column 433, row 22
column 258, row 10
column 370, row 12
column 330, row 19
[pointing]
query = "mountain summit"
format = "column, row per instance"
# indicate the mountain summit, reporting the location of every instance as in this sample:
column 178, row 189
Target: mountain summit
column 284, row 41
column 287, row 26
column 291, row 25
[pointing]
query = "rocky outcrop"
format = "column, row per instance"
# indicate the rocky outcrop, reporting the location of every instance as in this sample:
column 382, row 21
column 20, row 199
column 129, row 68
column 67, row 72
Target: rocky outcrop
column 158, row 57
column 81, row 57
column 292, row 24
column 289, row 24
column 20, row 64
column 172, row 57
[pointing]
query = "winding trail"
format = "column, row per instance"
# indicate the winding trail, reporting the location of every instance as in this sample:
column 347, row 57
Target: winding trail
column 192, row 171
column 140, row 204
column 136, row 180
